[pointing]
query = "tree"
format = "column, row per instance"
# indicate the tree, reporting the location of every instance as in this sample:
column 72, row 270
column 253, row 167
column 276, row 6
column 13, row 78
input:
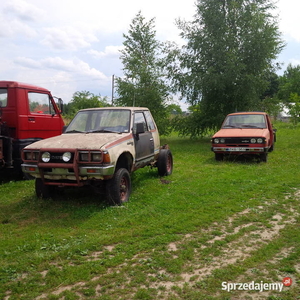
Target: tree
column 289, row 91
column 84, row 99
column 143, row 83
column 224, row 66
column 289, row 83
column 270, row 102
column 294, row 107
column 174, row 109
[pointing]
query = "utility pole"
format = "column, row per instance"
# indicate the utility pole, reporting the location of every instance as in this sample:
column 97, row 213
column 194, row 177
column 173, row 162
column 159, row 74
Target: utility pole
column 112, row 89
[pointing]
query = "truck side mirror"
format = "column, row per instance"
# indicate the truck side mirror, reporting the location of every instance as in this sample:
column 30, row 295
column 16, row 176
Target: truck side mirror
column 139, row 128
column 60, row 105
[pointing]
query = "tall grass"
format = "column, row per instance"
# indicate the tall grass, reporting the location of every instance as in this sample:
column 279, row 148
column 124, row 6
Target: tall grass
column 77, row 247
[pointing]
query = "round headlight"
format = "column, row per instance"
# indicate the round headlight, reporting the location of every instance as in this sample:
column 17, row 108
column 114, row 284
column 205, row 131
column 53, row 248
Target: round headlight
column 222, row 141
column 253, row 141
column 217, row 141
column 67, row 156
column 46, row 157
column 260, row 141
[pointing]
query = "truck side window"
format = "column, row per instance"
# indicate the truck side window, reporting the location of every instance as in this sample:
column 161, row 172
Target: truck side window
column 40, row 103
column 149, row 120
column 139, row 118
column 3, row 97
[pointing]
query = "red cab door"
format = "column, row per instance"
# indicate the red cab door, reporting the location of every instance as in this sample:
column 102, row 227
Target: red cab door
column 44, row 119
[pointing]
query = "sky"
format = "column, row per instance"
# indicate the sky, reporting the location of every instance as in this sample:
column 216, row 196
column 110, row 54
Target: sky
column 68, row 46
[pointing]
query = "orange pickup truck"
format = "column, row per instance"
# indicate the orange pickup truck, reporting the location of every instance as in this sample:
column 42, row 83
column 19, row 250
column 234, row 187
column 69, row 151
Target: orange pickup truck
column 244, row 133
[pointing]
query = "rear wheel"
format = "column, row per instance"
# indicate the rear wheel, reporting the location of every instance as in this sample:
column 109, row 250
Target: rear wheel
column 165, row 162
column 119, row 187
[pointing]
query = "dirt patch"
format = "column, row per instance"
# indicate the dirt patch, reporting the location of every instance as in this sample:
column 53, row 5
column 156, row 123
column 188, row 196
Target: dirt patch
column 236, row 239
column 239, row 249
column 97, row 254
column 62, row 289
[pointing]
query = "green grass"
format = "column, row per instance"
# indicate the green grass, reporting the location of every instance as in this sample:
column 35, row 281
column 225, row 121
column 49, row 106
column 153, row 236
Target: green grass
column 214, row 222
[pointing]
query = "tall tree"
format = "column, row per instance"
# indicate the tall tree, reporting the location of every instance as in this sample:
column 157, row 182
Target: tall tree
column 143, row 83
column 229, row 52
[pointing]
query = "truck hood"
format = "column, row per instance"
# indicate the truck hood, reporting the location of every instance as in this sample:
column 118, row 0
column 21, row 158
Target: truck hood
column 242, row 132
column 92, row 141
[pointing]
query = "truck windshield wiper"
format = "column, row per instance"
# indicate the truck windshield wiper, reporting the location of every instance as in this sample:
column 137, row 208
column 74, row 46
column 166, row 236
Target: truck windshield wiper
column 73, row 131
column 250, row 126
column 102, row 130
column 230, row 126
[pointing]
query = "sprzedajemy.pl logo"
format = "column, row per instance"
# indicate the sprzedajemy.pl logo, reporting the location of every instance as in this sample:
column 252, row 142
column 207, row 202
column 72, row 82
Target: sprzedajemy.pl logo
column 256, row 286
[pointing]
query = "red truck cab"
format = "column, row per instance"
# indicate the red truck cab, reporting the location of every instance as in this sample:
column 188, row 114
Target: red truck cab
column 28, row 114
column 244, row 133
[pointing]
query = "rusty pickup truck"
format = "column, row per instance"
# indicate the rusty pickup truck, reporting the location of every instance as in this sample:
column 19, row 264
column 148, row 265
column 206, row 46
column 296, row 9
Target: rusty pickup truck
column 100, row 145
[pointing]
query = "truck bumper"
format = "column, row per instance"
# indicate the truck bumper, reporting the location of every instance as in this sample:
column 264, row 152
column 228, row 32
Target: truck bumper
column 239, row 150
column 55, row 175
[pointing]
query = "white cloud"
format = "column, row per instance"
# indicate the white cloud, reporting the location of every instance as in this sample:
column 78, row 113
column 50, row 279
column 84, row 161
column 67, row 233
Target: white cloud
column 27, row 63
column 74, row 67
column 288, row 11
column 295, row 62
column 18, row 17
column 67, row 38
column 109, row 51
column 14, row 27
column 22, row 10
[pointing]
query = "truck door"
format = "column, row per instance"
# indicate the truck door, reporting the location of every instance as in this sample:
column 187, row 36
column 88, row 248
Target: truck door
column 144, row 144
column 44, row 119
column 271, row 130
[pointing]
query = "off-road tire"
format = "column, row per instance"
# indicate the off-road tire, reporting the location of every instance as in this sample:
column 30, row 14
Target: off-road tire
column 43, row 191
column 118, row 188
column 165, row 162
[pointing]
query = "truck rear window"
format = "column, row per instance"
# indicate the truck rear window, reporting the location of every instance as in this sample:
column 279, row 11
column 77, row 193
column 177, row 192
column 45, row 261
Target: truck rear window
column 3, row 97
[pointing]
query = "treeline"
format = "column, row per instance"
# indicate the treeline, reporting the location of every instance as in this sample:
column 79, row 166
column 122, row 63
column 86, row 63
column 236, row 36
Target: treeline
column 226, row 63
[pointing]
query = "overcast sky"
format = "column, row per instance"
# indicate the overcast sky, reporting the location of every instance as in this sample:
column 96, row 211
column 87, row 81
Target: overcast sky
column 68, row 46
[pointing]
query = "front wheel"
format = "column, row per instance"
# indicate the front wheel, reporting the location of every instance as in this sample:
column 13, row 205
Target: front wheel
column 271, row 148
column 219, row 156
column 43, row 191
column 119, row 187
column 264, row 157
column 165, row 162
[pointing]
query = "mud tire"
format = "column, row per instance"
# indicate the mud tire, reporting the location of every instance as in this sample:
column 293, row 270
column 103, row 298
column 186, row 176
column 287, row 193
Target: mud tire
column 165, row 162
column 118, row 188
column 43, row 191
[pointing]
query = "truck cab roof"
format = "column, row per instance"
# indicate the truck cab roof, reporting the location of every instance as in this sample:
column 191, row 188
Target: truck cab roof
column 16, row 84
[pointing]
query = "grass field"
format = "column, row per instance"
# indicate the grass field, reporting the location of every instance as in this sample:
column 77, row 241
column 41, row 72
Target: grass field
column 189, row 236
